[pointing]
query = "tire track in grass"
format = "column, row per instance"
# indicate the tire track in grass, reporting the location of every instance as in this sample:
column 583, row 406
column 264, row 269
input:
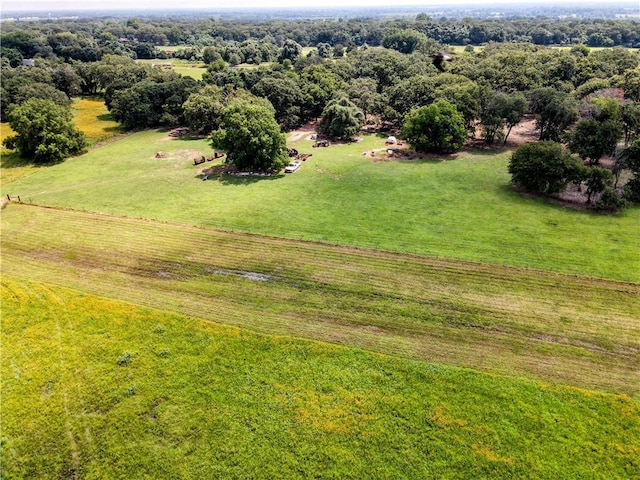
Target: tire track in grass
column 579, row 330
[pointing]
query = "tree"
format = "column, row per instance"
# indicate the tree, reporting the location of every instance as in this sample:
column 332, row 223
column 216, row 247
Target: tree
column 404, row 41
column 631, row 84
column 341, row 119
column 318, row 85
column 251, row 137
column 406, row 94
column 203, row 110
column 464, row 95
column 67, row 80
column 12, row 55
column 437, row 128
column 630, row 159
column 210, row 55
column 45, row 131
column 324, row 50
column 515, row 107
column 362, row 92
column 150, row 104
column 554, row 111
column 285, row 95
column 43, row 91
column 597, row 181
column 544, row 167
column 291, row 50
column 630, row 121
column 491, row 118
column 592, row 139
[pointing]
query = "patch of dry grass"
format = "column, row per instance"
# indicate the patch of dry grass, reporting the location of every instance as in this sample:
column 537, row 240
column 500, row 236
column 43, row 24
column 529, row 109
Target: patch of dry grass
column 92, row 117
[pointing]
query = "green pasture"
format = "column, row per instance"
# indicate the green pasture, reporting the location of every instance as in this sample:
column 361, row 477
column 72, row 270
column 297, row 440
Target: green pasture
column 173, row 48
column 193, row 71
column 456, row 207
column 556, row 328
column 183, row 67
column 97, row 388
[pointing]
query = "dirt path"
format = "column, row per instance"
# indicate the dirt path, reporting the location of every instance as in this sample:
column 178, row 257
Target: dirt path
column 302, row 132
column 524, row 132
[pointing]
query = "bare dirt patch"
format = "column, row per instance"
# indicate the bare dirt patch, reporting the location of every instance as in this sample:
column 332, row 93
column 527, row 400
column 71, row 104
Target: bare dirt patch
column 305, row 131
column 524, row 132
column 177, row 155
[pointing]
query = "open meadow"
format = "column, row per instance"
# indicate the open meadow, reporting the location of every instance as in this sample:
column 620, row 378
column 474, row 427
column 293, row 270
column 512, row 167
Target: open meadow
column 364, row 317
column 455, row 207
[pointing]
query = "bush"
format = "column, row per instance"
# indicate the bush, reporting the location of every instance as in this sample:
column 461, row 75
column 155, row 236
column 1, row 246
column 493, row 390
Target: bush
column 125, row 359
column 544, row 168
column 438, row 128
column 611, row 201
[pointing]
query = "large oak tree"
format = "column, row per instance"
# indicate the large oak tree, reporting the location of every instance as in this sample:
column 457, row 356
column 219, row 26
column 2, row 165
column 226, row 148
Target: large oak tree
column 45, row 131
column 251, row 137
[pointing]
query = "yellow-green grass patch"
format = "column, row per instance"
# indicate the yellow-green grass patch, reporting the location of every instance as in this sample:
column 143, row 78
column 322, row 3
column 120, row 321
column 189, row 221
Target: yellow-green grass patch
column 12, row 166
column 91, row 116
column 96, row 388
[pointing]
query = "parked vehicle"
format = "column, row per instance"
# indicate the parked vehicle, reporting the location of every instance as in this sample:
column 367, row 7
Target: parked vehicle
column 293, row 166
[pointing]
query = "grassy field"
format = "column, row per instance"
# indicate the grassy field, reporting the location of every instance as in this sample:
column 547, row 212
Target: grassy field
column 554, row 328
column 458, row 207
column 183, row 67
column 92, row 117
column 95, row 388
column 361, row 318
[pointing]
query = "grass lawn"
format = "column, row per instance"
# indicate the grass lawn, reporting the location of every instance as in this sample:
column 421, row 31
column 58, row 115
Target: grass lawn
column 96, row 388
column 462, row 208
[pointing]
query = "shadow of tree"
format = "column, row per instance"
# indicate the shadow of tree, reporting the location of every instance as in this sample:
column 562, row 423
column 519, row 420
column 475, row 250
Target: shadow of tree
column 10, row 159
column 226, row 179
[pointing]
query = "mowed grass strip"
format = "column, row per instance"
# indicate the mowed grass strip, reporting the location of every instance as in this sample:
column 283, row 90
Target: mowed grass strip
column 461, row 207
column 567, row 329
column 96, row 388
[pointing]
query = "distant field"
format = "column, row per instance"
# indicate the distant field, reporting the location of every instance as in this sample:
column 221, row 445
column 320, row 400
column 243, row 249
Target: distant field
column 96, row 388
column 187, row 69
column 461, row 208
column 190, row 71
column 172, row 48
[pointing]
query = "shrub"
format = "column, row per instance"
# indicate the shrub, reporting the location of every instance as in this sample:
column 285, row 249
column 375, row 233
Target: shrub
column 544, row 168
column 125, row 359
column 438, row 128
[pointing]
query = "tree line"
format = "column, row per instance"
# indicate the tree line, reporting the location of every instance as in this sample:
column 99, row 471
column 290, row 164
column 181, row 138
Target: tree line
column 91, row 39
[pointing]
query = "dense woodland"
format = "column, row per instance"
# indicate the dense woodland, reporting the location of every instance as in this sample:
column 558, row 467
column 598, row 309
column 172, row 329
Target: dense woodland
column 358, row 72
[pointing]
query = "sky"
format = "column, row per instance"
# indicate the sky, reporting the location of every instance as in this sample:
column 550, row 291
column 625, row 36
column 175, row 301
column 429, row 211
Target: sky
column 53, row 5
